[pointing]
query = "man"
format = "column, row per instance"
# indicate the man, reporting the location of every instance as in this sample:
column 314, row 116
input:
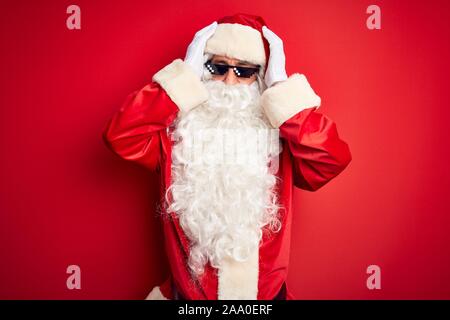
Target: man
column 226, row 221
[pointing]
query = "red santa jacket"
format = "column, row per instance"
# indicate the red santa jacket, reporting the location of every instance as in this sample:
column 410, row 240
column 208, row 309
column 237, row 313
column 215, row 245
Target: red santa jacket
column 312, row 154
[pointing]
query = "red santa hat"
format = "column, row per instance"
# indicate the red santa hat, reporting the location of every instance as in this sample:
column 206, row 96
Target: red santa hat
column 240, row 37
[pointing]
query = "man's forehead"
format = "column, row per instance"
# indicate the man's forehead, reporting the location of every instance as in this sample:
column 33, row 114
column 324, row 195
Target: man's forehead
column 226, row 59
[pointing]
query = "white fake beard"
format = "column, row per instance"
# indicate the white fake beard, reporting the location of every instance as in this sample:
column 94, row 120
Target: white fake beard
column 223, row 206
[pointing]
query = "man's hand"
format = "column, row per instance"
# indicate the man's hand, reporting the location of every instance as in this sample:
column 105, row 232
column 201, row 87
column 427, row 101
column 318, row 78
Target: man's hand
column 276, row 70
column 195, row 51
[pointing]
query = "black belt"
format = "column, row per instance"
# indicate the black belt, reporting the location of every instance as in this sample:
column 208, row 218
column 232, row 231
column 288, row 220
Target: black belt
column 281, row 295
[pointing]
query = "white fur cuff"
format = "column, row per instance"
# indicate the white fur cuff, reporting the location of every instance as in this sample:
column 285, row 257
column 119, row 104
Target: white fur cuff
column 287, row 98
column 182, row 85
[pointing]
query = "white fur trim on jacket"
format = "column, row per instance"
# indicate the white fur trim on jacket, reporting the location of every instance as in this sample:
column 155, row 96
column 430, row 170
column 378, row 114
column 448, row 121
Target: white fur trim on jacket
column 237, row 41
column 156, row 294
column 239, row 280
column 182, row 85
column 287, row 98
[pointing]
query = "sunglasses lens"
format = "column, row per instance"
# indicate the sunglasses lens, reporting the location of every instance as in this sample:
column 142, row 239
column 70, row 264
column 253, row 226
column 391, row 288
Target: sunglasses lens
column 216, row 68
column 245, row 72
column 221, row 69
column 211, row 67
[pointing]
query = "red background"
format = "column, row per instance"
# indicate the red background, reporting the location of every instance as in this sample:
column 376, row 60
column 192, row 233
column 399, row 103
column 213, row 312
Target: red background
column 66, row 199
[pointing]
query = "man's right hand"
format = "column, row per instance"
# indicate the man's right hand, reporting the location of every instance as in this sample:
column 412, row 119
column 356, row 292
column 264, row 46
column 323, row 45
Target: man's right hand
column 195, row 51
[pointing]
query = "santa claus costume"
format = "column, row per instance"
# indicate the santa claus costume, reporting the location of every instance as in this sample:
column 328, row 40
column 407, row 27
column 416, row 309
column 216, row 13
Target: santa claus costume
column 227, row 224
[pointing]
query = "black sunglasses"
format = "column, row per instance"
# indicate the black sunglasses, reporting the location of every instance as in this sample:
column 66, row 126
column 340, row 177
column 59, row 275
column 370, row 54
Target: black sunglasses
column 221, row 69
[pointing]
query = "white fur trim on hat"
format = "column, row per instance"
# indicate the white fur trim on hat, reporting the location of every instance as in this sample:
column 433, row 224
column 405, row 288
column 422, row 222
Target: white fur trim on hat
column 182, row 85
column 156, row 294
column 237, row 41
column 239, row 280
column 287, row 98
